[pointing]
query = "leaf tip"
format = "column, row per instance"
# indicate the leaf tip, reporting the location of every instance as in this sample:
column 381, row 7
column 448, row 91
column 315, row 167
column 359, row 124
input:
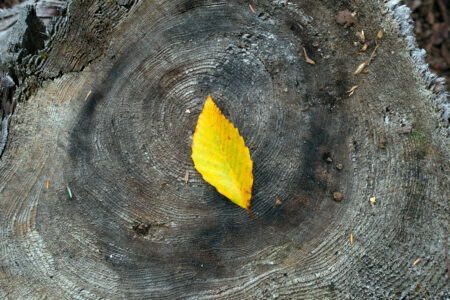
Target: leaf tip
column 209, row 99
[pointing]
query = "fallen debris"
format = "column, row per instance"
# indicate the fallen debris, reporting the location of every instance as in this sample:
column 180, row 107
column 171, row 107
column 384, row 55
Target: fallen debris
column 351, row 238
column 327, row 157
column 361, row 67
column 69, row 191
column 308, row 60
column 337, row 196
column 361, row 35
column 186, row 177
column 88, row 94
column 339, row 166
column 380, row 34
column 417, row 261
column 251, row 8
column 432, row 24
column 278, row 202
column 366, row 62
column 346, row 18
column 352, row 90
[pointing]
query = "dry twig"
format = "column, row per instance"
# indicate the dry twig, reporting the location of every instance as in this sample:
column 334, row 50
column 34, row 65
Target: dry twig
column 308, row 60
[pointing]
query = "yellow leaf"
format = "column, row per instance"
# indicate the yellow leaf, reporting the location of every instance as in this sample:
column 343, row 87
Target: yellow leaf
column 220, row 155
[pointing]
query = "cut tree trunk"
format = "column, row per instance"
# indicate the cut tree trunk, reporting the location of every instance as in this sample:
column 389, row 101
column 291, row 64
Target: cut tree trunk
column 350, row 195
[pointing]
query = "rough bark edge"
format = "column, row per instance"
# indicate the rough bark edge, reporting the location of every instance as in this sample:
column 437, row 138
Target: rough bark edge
column 29, row 73
column 401, row 14
column 35, row 68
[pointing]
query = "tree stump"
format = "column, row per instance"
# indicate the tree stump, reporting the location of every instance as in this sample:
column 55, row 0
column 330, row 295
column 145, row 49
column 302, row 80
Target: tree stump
column 350, row 192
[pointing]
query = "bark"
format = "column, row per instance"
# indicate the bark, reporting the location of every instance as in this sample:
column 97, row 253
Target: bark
column 105, row 113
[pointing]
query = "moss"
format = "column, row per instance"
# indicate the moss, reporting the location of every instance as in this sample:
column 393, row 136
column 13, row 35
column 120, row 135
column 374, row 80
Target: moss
column 420, row 142
column 418, row 137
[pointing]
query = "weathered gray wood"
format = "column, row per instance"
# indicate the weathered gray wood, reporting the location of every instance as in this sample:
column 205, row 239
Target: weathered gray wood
column 110, row 111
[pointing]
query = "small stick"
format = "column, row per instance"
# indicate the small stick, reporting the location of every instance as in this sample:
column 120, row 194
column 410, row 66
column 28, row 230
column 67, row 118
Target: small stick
column 47, row 184
column 251, row 8
column 366, row 62
column 186, row 177
column 352, row 90
column 88, row 94
column 69, row 191
column 308, row 60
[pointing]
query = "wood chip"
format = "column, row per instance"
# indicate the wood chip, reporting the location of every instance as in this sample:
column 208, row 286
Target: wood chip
column 327, row 157
column 88, row 94
column 47, row 184
column 380, row 34
column 351, row 238
column 278, row 202
column 350, row 91
column 337, row 196
column 361, row 35
column 364, row 47
column 339, row 166
column 186, row 177
column 417, row 261
column 251, row 8
column 188, row 111
column 361, row 67
column 308, row 60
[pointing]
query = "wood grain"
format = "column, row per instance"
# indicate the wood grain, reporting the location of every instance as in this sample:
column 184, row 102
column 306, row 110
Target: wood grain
column 115, row 125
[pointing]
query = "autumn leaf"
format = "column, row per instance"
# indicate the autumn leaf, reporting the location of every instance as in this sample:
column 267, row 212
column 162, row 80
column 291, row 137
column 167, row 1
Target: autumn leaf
column 220, row 155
